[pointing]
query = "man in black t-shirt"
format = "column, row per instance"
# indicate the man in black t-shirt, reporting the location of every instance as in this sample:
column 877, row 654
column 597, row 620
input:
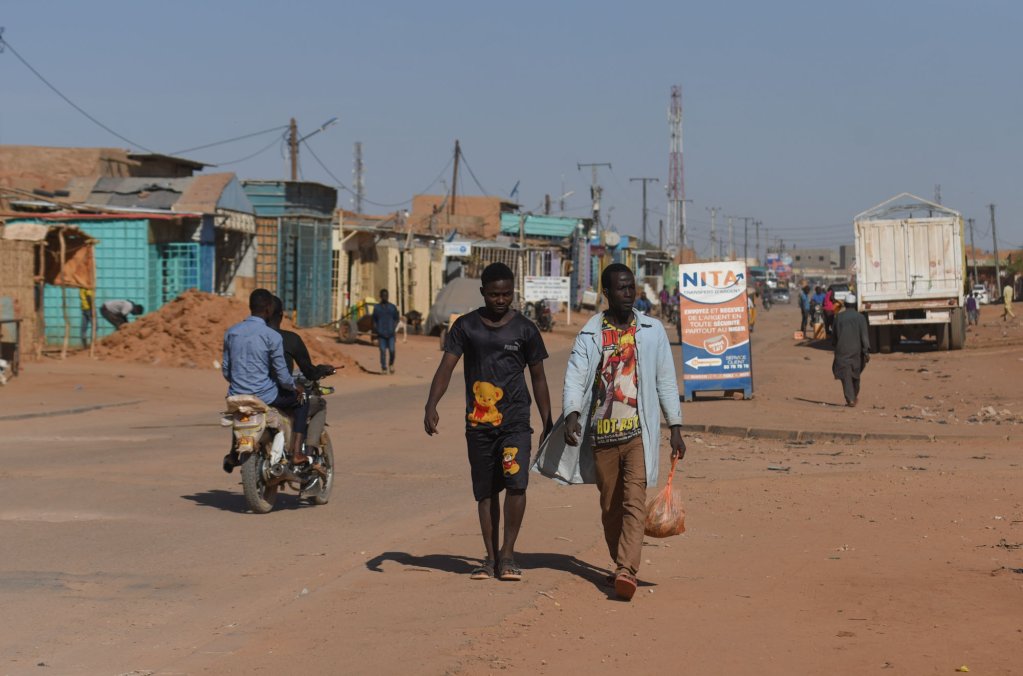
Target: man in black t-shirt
column 498, row 344
column 296, row 353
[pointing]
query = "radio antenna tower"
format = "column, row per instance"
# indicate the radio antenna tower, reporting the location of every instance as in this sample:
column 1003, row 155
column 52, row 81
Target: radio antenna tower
column 360, row 185
column 676, row 173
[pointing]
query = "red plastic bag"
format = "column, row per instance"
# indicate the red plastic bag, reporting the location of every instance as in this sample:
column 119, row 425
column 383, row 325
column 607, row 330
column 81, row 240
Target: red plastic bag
column 665, row 513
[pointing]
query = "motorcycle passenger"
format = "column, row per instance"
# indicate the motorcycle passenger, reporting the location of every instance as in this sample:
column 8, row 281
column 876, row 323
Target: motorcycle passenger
column 252, row 351
column 296, row 353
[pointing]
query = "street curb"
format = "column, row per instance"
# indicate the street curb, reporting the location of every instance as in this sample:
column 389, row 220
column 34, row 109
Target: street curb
column 68, row 411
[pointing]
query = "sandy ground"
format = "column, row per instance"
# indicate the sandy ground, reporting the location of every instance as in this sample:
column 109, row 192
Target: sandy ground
column 127, row 550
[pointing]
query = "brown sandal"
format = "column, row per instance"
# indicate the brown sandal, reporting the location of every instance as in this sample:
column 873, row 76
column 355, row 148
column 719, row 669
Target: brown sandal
column 484, row 571
column 510, row 572
column 625, row 586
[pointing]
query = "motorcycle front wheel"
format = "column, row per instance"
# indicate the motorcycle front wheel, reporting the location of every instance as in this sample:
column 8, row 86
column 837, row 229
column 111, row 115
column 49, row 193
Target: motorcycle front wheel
column 322, row 497
column 259, row 495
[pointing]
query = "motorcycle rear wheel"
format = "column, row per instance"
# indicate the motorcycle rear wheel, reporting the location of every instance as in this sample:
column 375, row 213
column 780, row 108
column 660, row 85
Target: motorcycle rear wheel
column 259, row 495
column 327, row 457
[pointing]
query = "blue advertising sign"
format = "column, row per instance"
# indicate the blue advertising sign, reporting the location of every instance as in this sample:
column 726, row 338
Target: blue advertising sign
column 715, row 328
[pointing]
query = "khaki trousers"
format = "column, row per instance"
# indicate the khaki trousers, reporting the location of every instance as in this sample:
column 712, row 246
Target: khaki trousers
column 621, row 479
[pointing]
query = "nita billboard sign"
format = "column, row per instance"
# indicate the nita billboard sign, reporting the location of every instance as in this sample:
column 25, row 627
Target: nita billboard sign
column 715, row 328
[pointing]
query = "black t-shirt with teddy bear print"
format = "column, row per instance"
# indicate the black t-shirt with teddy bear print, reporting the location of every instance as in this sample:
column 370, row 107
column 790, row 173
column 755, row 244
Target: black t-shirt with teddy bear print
column 495, row 360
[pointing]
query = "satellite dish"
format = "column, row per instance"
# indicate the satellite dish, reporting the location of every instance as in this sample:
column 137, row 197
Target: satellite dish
column 611, row 238
column 672, row 251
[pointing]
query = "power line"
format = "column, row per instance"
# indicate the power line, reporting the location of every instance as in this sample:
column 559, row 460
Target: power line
column 4, row 42
column 231, row 140
column 475, row 180
column 249, row 157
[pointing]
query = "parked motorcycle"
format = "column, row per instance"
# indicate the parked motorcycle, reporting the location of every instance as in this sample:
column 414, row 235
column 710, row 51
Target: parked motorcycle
column 261, row 435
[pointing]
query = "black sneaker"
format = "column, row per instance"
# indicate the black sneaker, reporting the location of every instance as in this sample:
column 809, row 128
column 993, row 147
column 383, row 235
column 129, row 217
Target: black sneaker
column 230, row 462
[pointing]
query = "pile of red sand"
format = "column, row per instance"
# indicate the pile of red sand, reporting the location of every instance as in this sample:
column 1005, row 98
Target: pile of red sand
column 189, row 332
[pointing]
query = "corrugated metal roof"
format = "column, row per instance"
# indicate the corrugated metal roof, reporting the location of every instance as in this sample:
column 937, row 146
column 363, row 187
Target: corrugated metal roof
column 192, row 194
column 539, row 226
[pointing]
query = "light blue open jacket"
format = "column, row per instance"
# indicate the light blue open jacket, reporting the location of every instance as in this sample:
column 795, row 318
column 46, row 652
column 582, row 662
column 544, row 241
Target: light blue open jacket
column 656, row 381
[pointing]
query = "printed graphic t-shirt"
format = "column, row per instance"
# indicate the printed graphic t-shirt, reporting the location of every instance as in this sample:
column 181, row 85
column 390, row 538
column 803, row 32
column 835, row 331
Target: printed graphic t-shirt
column 495, row 358
column 615, row 407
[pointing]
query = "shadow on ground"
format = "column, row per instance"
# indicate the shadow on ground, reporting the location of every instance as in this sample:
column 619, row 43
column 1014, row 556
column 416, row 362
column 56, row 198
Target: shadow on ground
column 231, row 501
column 821, row 403
column 463, row 565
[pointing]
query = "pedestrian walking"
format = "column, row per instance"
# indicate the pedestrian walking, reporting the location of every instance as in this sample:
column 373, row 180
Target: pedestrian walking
column 1007, row 303
column 620, row 372
column 385, row 324
column 829, row 310
column 972, row 310
column 852, row 351
column 804, row 307
column 86, row 300
column 498, row 343
column 117, row 312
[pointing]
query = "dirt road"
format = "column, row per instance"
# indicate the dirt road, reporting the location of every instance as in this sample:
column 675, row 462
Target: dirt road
column 127, row 550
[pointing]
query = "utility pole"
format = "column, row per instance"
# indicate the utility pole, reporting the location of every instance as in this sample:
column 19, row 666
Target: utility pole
column 595, row 189
column 731, row 240
column 660, row 235
column 293, row 148
column 756, row 224
column 454, row 179
column 745, row 234
column 294, row 142
column 644, row 181
column 547, row 204
column 973, row 247
column 998, row 266
column 713, row 230
column 595, row 192
column 360, row 187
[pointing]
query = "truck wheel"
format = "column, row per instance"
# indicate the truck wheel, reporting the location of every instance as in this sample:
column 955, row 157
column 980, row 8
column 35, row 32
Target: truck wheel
column 958, row 329
column 943, row 331
column 348, row 331
column 884, row 339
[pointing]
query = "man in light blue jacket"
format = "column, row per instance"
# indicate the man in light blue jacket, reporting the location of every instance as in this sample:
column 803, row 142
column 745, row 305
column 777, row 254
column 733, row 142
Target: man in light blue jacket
column 620, row 372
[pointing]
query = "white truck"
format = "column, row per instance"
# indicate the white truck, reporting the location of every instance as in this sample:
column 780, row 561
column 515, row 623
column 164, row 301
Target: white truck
column 910, row 264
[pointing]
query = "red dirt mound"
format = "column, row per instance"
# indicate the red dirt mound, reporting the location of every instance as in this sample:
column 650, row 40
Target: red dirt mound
column 189, row 332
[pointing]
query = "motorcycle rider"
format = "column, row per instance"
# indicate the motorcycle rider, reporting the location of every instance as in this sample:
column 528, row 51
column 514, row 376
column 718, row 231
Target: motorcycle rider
column 295, row 352
column 250, row 346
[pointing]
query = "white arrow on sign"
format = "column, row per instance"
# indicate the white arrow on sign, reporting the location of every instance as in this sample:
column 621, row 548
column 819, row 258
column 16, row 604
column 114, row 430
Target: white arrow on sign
column 696, row 362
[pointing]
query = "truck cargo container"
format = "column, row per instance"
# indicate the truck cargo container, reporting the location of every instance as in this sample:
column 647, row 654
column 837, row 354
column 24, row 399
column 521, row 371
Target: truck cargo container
column 910, row 273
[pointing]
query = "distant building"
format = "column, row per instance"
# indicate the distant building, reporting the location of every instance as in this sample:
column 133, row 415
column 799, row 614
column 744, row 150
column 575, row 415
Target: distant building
column 812, row 258
column 846, row 257
column 294, row 224
column 473, row 217
column 48, row 169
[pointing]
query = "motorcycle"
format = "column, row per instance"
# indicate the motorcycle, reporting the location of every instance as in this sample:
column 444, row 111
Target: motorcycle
column 260, row 436
column 541, row 315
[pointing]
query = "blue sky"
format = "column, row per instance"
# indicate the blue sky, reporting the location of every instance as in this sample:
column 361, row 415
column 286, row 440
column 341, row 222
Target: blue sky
column 801, row 114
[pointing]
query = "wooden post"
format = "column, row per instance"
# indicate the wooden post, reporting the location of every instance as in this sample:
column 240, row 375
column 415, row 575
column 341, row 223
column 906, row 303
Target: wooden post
column 40, row 288
column 92, row 310
column 63, row 294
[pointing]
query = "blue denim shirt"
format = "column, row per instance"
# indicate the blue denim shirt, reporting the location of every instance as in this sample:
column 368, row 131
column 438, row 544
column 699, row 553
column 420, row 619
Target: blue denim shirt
column 252, row 352
column 385, row 319
column 658, row 393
